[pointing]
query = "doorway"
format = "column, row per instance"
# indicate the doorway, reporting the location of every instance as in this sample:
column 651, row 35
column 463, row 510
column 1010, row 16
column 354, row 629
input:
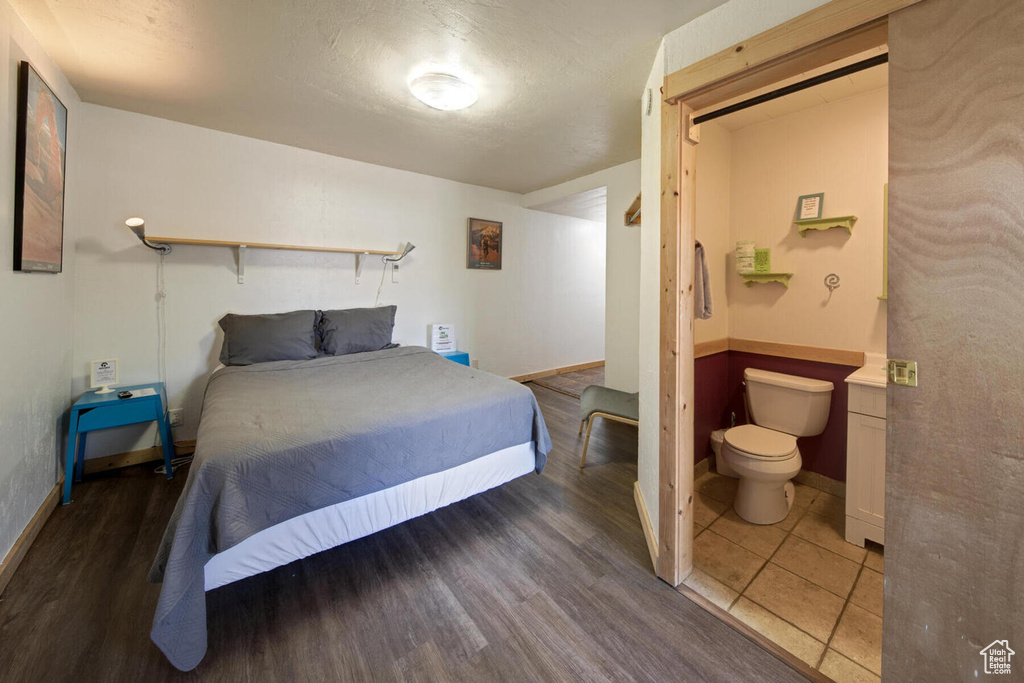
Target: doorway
column 835, row 32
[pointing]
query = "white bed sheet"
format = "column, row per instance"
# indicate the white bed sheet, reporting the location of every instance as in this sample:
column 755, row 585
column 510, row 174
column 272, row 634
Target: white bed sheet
column 331, row 526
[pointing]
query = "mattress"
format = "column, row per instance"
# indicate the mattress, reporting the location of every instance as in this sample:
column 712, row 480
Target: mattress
column 281, row 440
column 334, row 525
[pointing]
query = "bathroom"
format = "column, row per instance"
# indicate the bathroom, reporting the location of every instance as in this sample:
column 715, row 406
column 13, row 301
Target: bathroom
column 815, row 309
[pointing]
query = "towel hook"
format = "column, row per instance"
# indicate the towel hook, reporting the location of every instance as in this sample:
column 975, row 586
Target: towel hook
column 832, row 282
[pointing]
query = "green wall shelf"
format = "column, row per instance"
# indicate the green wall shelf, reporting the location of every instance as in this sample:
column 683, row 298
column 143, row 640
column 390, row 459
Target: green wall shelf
column 826, row 224
column 765, row 278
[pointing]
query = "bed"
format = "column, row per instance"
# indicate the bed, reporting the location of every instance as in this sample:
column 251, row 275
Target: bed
column 296, row 457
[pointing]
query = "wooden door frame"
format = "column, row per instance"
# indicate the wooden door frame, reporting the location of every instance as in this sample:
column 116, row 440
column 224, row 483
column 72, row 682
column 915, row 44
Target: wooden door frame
column 835, row 30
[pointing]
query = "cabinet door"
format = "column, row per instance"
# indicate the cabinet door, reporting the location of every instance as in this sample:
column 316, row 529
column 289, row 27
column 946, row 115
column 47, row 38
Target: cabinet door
column 865, row 468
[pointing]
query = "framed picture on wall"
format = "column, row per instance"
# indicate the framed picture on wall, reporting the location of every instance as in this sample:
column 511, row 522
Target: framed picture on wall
column 41, row 150
column 483, row 245
column 809, row 206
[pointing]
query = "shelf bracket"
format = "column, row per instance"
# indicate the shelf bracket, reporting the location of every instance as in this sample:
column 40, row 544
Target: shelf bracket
column 359, row 264
column 241, row 264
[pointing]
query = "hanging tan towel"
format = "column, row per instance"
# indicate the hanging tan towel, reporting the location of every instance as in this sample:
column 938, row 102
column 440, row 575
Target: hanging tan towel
column 701, row 284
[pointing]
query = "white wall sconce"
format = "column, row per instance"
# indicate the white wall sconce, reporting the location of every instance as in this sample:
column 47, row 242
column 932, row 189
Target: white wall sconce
column 138, row 226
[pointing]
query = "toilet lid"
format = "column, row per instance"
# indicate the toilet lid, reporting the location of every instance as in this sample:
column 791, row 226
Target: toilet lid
column 760, row 442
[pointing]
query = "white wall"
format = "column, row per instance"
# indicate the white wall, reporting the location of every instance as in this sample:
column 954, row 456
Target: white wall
column 650, row 289
column 841, row 149
column 36, row 309
column 709, row 33
column 622, row 267
column 714, row 176
column 544, row 309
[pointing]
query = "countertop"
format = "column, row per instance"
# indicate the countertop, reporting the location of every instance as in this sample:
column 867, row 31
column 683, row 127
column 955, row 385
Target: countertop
column 872, row 374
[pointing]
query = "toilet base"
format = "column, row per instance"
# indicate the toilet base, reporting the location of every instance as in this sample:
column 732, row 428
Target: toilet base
column 764, row 502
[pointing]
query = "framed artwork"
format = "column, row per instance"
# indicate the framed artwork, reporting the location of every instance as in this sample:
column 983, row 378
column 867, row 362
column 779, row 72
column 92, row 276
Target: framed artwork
column 39, row 175
column 809, row 206
column 483, row 245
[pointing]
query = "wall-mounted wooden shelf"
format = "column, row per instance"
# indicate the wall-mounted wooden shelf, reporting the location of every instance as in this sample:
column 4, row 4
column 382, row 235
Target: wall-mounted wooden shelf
column 241, row 247
column 264, row 245
column 765, row 278
column 826, row 224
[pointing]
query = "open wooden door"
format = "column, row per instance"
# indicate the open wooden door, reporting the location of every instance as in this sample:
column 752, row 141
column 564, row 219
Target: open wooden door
column 954, row 556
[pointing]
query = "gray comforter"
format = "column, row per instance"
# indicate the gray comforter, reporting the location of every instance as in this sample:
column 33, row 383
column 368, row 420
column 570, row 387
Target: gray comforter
column 282, row 439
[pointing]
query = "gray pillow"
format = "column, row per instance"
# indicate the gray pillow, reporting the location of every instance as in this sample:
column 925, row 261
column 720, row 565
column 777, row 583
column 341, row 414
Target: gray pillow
column 355, row 330
column 267, row 337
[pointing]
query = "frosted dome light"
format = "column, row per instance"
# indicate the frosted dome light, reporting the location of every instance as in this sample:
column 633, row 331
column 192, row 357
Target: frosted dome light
column 443, row 91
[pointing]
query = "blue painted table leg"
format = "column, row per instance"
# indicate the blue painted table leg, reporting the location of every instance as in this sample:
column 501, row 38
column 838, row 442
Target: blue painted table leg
column 80, row 456
column 69, row 465
column 168, row 444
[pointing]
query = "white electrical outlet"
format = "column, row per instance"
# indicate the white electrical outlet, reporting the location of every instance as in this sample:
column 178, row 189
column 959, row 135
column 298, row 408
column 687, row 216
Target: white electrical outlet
column 176, row 418
column 394, row 272
column 475, row 363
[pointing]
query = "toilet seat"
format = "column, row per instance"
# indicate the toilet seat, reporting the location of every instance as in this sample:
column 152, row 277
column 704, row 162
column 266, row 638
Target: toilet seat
column 760, row 443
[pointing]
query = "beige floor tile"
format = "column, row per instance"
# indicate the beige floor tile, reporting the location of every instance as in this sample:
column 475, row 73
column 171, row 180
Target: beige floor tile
column 868, row 593
column 829, row 535
column 798, row 601
column 711, row 588
column 757, row 538
column 706, row 509
column 859, row 637
column 830, row 507
column 842, row 670
column 716, row 486
column 778, row 631
column 794, row 516
column 724, row 560
column 822, row 567
column 875, row 559
column 804, row 496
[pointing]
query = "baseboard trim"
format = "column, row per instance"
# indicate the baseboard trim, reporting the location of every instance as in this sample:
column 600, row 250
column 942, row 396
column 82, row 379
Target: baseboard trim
column 556, row 371
column 702, row 467
column 17, row 553
column 821, row 482
column 145, row 455
column 645, row 522
column 775, row 650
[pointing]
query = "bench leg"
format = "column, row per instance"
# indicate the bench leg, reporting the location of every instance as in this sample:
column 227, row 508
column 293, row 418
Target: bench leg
column 582, row 422
column 586, row 442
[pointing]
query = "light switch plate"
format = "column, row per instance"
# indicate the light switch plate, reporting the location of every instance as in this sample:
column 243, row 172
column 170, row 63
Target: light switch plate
column 901, row 372
column 394, row 272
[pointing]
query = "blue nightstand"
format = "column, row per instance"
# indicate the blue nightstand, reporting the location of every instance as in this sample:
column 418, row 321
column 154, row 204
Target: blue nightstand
column 102, row 411
column 460, row 357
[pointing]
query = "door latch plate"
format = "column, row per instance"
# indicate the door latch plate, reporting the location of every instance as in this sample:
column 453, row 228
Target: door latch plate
column 901, row 372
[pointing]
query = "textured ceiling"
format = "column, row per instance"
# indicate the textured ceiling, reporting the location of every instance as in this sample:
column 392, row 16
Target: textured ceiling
column 559, row 80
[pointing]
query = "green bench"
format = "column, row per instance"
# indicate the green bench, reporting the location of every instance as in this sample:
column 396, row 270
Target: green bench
column 610, row 404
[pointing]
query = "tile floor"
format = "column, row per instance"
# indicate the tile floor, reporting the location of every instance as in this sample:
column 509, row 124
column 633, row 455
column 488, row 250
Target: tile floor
column 798, row 582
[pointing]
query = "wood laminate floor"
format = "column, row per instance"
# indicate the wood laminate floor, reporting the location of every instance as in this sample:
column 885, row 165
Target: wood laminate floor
column 546, row 578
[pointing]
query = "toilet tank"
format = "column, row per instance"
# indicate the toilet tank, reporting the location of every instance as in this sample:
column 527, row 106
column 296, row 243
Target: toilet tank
column 787, row 403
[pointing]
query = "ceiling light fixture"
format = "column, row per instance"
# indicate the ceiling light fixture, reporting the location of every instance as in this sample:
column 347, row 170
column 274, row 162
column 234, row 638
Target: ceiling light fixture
column 443, row 91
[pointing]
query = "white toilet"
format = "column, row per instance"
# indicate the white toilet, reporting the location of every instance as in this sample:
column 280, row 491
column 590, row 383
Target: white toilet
column 764, row 455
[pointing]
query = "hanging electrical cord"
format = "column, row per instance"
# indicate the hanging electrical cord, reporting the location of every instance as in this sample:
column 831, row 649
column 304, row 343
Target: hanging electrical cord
column 161, row 331
column 175, row 464
column 409, row 246
column 380, row 287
